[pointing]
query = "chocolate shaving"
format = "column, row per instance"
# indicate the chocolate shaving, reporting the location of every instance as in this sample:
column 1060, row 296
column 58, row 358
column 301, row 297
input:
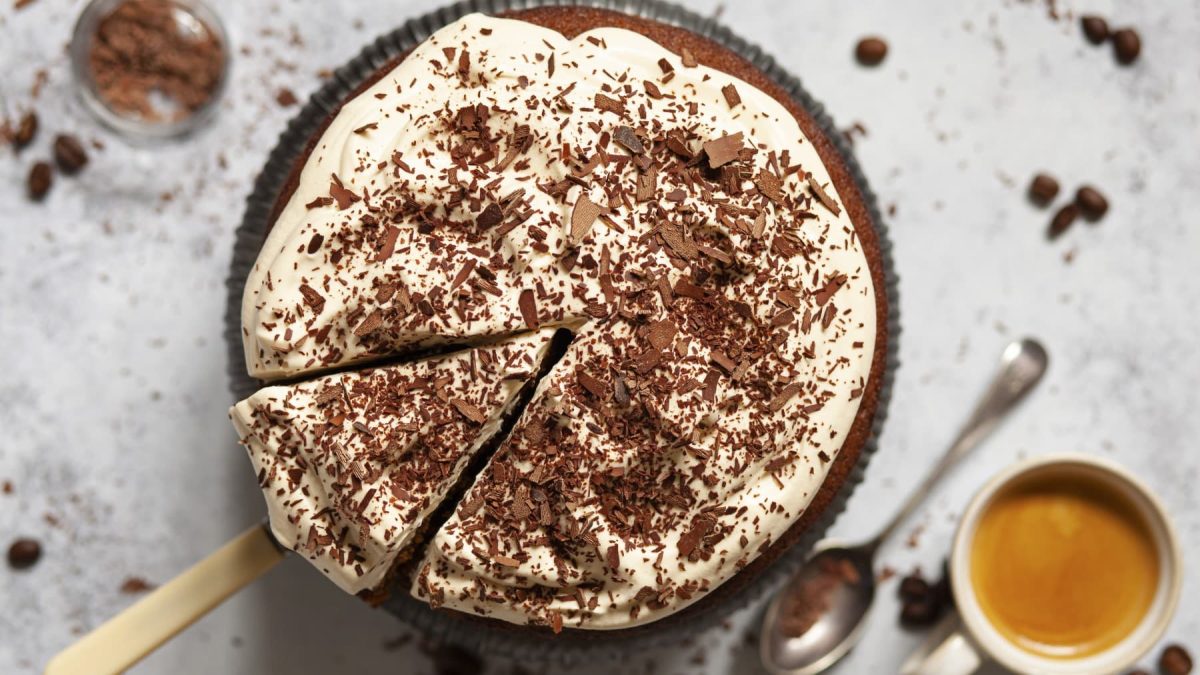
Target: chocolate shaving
column 490, row 216
column 583, row 215
column 593, row 386
column 688, row 58
column 528, row 308
column 341, row 194
column 826, row 292
column 312, row 298
column 770, row 186
column 723, row 150
column 719, row 358
column 646, row 184
column 823, row 197
column 372, row 323
column 662, row 333
column 610, row 104
column 314, row 244
column 731, row 95
column 629, row 140
column 469, row 411
column 786, row 394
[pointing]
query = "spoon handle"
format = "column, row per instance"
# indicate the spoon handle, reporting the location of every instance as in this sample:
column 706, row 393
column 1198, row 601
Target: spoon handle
column 1021, row 367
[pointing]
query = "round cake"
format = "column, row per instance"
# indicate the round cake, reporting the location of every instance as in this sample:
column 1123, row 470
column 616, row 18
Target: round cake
column 572, row 320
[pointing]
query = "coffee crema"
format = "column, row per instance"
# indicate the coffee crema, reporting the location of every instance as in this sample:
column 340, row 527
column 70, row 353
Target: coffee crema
column 1063, row 565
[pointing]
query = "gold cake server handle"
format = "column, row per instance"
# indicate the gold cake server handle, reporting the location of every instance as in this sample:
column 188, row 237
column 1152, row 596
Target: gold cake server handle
column 131, row 635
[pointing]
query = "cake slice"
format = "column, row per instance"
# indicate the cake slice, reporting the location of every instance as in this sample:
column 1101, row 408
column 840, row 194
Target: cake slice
column 352, row 464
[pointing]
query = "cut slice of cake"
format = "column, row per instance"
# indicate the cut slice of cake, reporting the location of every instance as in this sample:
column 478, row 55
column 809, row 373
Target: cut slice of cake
column 352, row 464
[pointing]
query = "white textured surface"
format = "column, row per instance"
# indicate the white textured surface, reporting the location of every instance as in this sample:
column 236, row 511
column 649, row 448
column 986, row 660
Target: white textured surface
column 113, row 392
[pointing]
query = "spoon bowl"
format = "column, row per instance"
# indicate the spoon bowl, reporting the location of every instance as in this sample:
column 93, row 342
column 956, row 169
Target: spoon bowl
column 826, row 640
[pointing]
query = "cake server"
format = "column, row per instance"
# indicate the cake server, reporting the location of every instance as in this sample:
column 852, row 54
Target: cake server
column 840, row 625
column 130, row 636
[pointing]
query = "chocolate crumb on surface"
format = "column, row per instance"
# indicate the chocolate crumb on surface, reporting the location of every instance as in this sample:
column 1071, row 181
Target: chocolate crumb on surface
column 871, row 51
column 135, row 585
column 1043, row 189
column 286, row 97
column 24, row 553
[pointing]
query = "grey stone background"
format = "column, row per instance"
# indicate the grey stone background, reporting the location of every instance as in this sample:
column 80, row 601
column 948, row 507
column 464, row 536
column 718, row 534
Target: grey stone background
column 112, row 367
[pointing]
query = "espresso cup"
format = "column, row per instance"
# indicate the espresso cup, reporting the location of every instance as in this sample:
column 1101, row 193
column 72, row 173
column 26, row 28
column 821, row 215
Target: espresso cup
column 973, row 636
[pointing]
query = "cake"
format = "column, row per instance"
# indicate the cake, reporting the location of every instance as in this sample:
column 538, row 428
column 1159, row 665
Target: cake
column 628, row 183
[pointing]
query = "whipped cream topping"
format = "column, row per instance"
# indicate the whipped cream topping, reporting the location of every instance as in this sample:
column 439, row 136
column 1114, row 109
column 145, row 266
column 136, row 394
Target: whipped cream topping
column 503, row 177
column 352, row 464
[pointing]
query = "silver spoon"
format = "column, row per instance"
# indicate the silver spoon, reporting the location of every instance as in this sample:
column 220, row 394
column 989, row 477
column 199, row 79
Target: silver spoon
column 840, row 625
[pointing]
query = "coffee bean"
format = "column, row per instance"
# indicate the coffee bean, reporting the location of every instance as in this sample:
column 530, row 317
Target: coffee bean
column 1095, row 29
column 1126, row 45
column 40, row 178
column 914, row 587
column 1175, row 660
column 919, row 613
column 1091, row 203
column 871, row 51
column 1062, row 220
column 26, row 130
column 69, row 153
column 24, row 553
column 1043, row 189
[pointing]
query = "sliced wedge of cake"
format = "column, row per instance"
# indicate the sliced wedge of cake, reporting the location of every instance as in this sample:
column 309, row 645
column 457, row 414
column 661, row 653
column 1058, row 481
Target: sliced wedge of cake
column 352, row 464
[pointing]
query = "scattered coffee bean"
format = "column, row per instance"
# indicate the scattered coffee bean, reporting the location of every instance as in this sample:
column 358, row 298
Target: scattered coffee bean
column 24, row 553
column 69, row 153
column 1043, row 189
column 1095, row 29
column 1091, row 203
column 871, row 51
column 40, row 178
column 1062, row 220
column 923, row 603
column 920, row 613
column 1175, row 660
column 1127, row 44
column 26, row 130
column 913, row 587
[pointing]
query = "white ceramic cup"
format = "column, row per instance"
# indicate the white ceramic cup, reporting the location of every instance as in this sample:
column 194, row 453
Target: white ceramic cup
column 964, row 641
